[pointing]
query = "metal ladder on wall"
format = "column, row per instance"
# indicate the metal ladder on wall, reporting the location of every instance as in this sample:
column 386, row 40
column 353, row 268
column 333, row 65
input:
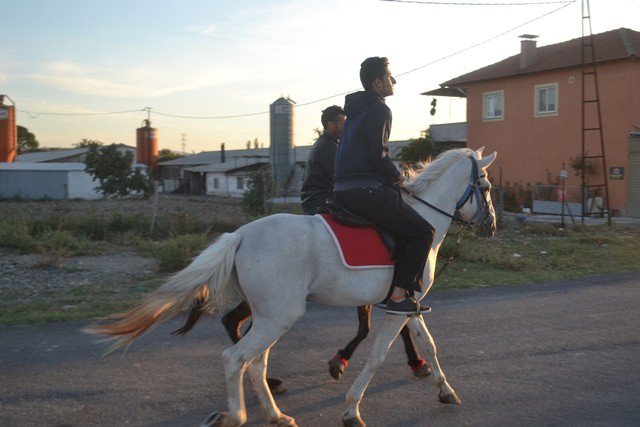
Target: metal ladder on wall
column 593, row 129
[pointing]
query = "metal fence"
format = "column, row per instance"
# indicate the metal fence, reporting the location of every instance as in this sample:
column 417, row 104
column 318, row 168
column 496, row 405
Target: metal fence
column 548, row 199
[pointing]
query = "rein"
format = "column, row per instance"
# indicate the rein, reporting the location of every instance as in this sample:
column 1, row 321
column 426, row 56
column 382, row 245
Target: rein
column 472, row 189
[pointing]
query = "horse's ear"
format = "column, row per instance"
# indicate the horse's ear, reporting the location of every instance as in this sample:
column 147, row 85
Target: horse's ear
column 486, row 161
column 480, row 150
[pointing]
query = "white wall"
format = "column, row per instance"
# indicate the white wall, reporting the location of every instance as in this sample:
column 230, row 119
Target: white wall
column 227, row 185
column 81, row 186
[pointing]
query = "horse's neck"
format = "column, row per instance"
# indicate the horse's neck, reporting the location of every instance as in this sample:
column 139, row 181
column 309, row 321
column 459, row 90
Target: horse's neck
column 441, row 196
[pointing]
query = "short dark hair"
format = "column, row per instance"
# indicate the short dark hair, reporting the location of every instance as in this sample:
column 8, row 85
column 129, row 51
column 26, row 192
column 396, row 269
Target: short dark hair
column 330, row 114
column 371, row 69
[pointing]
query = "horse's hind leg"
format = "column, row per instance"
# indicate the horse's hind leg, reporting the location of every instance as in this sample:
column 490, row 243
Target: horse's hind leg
column 232, row 322
column 234, row 319
column 446, row 394
column 390, row 329
column 262, row 335
column 258, row 372
column 340, row 361
column 417, row 364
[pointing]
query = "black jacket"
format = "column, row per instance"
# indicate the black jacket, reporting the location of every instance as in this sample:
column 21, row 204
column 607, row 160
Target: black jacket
column 363, row 155
column 317, row 186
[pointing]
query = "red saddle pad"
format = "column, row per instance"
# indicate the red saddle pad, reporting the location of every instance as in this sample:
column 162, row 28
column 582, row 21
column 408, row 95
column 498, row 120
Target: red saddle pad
column 359, row 247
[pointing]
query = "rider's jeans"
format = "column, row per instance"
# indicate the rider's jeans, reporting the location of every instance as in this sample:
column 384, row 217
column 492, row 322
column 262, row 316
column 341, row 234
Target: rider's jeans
column 385, row 207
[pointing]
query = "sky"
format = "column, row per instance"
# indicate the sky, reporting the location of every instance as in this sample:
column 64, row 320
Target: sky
column 211, row 58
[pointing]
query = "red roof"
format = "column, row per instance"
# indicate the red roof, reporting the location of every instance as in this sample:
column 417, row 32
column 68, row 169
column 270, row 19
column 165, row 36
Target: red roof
column 609, row 46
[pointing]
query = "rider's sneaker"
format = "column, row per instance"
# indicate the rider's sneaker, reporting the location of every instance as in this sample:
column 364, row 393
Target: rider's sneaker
column 408, row 306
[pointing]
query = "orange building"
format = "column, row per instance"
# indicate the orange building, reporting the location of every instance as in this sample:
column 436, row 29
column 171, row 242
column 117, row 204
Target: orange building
column 528, row 108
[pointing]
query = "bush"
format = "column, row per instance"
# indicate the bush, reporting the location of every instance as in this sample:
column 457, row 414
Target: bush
column 93, row 228
column 16, row 235
column 62, row 244
column 175, row 254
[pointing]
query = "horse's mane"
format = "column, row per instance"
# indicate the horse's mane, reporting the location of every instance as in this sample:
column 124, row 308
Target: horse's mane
column 425, row 173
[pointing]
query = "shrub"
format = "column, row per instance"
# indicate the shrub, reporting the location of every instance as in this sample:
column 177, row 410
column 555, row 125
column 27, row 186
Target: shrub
column 93, row 228
column 61, row 243
column 175, row 254
column 16, row 235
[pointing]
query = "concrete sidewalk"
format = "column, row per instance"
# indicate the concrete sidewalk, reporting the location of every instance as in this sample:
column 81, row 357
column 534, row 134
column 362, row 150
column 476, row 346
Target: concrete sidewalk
column 553, row 219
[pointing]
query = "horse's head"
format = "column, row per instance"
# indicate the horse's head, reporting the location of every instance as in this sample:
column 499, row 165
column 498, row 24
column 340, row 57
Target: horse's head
column 475, row 206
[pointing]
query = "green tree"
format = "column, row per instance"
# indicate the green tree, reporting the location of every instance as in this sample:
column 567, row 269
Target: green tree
column 166, row 154
column 419, row 149
column 84, row 142
column 114, row 171
column 26, row 140
column 260, row 189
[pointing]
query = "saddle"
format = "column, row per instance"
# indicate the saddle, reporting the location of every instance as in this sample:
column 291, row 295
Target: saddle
column 350, row 219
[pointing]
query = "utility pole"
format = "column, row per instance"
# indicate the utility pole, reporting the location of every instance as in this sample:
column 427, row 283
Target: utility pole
column 184, row 142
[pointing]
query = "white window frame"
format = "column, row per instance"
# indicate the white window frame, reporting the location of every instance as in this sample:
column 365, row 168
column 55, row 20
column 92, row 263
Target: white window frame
column 240, row 182
column 536, row 99
column 485, row 100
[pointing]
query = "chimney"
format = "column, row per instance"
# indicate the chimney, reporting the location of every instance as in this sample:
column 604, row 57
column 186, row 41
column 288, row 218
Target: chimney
column 528, row 52
column 222, row 153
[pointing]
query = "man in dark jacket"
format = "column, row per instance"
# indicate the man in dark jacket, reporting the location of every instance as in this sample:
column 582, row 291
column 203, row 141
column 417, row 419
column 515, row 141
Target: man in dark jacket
column 367, row 182
column 317, row 187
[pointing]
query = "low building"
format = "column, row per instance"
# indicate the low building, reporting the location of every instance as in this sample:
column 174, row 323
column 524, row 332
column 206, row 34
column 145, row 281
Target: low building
column 57, row 181
column 72, row 155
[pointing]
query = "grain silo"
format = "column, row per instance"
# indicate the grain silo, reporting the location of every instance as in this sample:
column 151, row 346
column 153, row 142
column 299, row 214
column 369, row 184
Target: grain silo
column 147, row 145
column 281, row 146
column 8, row 130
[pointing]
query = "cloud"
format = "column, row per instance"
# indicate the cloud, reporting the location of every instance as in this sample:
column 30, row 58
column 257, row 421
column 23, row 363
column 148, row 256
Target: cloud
column 142, row 81
column 203, row 30
column 3, row 78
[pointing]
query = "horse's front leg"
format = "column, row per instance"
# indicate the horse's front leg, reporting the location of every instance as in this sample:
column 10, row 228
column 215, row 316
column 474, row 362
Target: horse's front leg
column 389, row 332
column 446, row 394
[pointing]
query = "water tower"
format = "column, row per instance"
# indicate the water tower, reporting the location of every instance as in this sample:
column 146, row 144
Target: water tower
column 8, row 130
column 147, row 145
column 281, row 147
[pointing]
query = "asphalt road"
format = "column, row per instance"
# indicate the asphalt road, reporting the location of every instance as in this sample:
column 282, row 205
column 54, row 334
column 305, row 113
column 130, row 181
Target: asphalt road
column 561, row 353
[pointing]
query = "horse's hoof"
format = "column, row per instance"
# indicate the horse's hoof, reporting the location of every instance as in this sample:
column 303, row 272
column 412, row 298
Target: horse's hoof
column 337, row 365
column 276, row 386
column 450, row 399
column 217, row 419
column 285, row 421
column 421, row 371
column 353, row 422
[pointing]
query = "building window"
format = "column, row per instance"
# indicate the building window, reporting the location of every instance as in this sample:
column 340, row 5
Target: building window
column 216, row 182
column 546, row 99
column 493, row 105
column 240, row 182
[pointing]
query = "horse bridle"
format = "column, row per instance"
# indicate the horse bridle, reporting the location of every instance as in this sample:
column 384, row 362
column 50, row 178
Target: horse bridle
column 473, row 190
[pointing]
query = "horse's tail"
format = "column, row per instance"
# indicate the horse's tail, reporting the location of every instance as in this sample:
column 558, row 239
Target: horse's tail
column 205, row 279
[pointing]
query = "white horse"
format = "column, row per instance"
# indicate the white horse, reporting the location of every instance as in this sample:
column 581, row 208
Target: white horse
column 280, row 262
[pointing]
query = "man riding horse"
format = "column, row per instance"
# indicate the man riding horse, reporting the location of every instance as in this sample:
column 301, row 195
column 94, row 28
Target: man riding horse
column 367, row 182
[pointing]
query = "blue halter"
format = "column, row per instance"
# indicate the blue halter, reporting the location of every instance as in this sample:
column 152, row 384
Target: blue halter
column 472, row 190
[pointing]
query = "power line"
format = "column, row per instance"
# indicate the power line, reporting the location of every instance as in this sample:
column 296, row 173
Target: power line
column 477, row 4
column 209, row 117
column 487, row 40
column 148, row 109
column 34, row 115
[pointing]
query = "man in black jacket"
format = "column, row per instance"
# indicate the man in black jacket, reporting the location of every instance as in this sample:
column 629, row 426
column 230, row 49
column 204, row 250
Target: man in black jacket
column 317, row 187
column 367, row 182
